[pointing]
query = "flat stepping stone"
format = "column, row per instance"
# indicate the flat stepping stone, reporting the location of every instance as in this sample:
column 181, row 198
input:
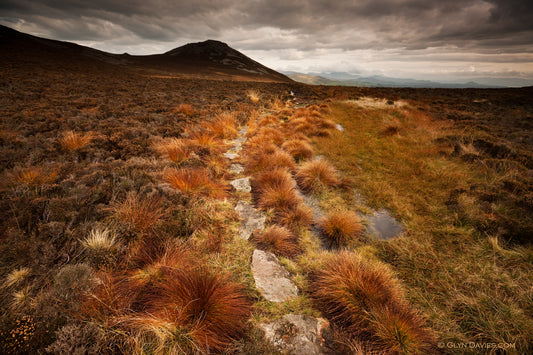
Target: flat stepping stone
column 296, row 334
column 236, row 168
column 339, row 127
column 231, row 155
column 243, row 131
column 271, row 278
column 242, row 184
column 251, row 219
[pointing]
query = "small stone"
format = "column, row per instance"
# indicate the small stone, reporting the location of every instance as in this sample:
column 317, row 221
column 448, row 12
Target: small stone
column 230, row 155
column 242, row 184
column 236, row 168
column 339, row 127
column 271, row 278
column 251, row 219
column 296, row 334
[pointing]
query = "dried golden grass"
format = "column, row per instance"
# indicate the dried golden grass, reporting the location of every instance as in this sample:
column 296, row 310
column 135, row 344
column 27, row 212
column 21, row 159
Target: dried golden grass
column 194, row 182
column 312, row 176
column 339, row 227
column 99, row 240
column 279, row 240
column 16, row 276
column 71, row 140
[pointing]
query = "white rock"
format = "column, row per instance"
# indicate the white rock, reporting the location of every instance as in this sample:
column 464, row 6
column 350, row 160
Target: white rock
column 296, row 334
column 251, row 219
column 271, row 278
column 242, row 184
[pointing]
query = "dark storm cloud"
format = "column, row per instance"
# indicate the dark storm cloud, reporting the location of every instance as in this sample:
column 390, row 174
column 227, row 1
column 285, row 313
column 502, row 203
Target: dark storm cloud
column 345, row 24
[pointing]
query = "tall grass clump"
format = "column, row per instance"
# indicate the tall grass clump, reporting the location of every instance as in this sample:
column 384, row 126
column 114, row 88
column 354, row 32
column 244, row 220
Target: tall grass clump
column 299, row 149
column 224, row 126
column 176, row 150
column 16, row 276
column 364, row 298
column 194, row 182
column 253, row 96
column 312, row 176
column 138, row 214
column 279, row 240
column 340, row 227
column 71, row 140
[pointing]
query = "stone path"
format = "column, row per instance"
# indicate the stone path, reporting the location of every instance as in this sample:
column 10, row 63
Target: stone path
column 271, row 278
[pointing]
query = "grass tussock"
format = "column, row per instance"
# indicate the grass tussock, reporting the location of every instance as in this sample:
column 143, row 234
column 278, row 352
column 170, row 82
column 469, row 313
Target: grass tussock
column 279, row 240
column 71, row 141
column 16, row 276
column 299, row 217
column 136, row 214
column 185, row 109
column 317, row 174
column 254, row 96
column 175, row 150
column 224, row 126
column 266, row 161
column 276, row 178
column 299, row 149
column 194, row 182
column 33, row 177
column 278, row 198
column 340, row 227
column 364, row 298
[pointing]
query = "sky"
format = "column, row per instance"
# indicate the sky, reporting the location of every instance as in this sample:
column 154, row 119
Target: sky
column 446, row 40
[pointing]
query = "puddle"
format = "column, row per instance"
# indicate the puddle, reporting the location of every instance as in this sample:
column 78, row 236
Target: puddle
column 383, row 226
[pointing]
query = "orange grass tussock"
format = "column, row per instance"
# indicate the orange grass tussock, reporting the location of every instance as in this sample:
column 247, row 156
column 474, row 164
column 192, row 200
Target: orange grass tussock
column 339, row 227
column 138, row 213
column 278, row 178
column 194, row 182
column 279, row 240
column 71, row 140
column 299, row 149
column 317, row 174
column 176, row 150
column 224, row 126
column 364, row 298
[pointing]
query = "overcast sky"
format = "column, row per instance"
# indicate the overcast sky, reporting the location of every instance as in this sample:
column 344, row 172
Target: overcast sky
column 432, row 39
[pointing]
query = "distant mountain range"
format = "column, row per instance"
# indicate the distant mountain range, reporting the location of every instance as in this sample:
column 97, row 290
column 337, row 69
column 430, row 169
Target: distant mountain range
column 347, row 79
column 209, row 59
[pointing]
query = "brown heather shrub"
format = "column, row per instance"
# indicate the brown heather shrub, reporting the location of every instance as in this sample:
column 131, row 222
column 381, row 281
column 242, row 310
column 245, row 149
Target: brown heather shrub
column 299, row 217
column 339, row 227
column 185, row 109
column 312, row 176
column 176, row 150
column 299, row 149
column 224, row 126
column 73, row 141
column 137, row 213
column 279, row 240
column 364, row 298
column 194, row 182
column 276, row 178
column 267, row 161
